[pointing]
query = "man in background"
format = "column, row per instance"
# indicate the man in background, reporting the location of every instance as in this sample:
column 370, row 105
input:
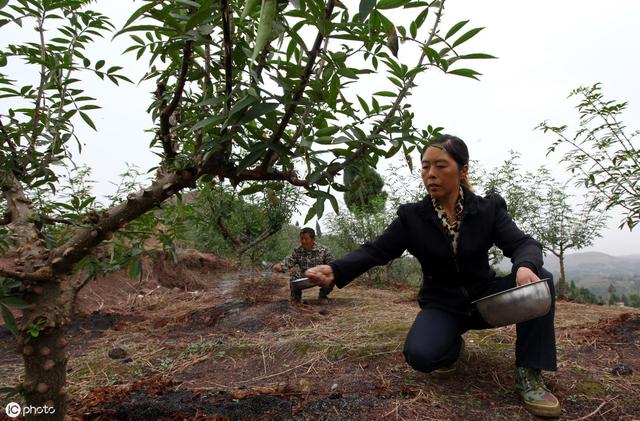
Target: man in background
column 307, row 255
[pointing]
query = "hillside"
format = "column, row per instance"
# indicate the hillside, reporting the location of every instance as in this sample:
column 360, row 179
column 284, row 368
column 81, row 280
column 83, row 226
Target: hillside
column 596, row 271
column 228, row 345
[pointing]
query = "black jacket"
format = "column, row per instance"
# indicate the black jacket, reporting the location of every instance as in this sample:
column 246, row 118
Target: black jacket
column 450, row 281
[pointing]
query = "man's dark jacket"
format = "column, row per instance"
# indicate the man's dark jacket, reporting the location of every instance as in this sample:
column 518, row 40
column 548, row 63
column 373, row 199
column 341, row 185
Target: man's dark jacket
column 450, row 281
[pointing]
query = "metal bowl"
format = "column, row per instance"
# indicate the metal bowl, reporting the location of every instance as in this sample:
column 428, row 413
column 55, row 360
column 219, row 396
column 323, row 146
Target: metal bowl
column 302, row 283
column 516, row 305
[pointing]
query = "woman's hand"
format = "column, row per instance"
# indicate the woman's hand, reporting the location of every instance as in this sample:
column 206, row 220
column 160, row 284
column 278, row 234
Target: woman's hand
column 321, row 275
column 524, row 276
column 277, row 267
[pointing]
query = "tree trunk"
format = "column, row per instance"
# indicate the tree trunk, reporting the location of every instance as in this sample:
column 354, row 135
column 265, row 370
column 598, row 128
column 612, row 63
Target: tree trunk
column 45, row 358
column 562, row 283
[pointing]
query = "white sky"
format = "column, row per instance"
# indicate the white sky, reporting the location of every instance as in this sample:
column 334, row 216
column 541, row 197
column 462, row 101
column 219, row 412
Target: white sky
column 545, row 49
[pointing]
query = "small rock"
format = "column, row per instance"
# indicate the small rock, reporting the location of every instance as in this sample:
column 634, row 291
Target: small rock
column 334, row 386
column 621, row 370
column 323, row 311
column 117, row 353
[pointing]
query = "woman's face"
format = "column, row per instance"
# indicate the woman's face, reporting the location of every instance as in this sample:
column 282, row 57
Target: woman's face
column 440, row 173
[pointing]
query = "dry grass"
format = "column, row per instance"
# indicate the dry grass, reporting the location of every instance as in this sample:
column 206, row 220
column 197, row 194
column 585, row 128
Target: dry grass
column 356, row 345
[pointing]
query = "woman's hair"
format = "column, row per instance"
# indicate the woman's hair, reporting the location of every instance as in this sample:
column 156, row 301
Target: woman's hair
column 456, row 148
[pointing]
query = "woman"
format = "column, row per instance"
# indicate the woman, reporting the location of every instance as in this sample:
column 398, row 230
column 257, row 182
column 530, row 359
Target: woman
column 450, row 233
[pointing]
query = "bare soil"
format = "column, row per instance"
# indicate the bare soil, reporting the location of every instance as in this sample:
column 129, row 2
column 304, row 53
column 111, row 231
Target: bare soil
column 227, row 345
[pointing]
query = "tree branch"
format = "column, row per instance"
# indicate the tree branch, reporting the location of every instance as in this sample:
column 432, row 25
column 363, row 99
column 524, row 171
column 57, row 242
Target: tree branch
column 227, row 51
column 265, row 234
column 116, row 217
column 297, row 95
column 206, row 90
column 52, row 220
column 40, row 275
column 226, row 232
column 395, row 107
column 262, row 61
column 32, row 254
column 617, row 131
column 307, row 110
column 168, row 110
column 596, row 162
column 43, row 80
column 257, row 175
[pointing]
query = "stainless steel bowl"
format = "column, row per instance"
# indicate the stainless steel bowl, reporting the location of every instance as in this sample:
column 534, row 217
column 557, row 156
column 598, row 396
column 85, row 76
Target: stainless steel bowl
column 302, row 283
column 516, row 305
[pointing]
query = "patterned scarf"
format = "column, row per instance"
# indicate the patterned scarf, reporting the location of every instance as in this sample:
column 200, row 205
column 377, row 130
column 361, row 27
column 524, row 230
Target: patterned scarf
column 452, row 229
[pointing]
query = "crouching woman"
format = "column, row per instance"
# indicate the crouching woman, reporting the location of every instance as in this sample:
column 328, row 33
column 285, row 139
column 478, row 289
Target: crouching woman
column 450, row 232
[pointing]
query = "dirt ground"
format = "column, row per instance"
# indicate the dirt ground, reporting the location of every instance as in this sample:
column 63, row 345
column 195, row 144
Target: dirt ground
column 204, row 342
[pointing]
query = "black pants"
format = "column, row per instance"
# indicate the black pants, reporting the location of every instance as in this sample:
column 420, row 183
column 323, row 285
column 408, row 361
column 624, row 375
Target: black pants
column 435, row 340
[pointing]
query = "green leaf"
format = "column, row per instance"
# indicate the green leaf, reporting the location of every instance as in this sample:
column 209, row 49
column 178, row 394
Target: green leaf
column 88, row 120
column 327, row 131
column 421, row 18
column 243, row 104
column 257, row 152
column 9, row 320
column 386, row 93
column 200, row 16
column 413, row 28
column 210, row 101
column 390, row 4
column 259, row 110
column 465, row 72
column 13, row 302
column 263, row 36
column 135, row 268
column 3, row 3
column 366, row 6
column 99, row 64
column 214, row 120
column 476, row 56
column 334, row 204
column 319, row 206
column 334, row 90
column 189, row 3
column 9, row 391
column 254, row 188
column 466, row 36
column 135, row 15
column 455, row 28
column 310, row 214
column 363, row 104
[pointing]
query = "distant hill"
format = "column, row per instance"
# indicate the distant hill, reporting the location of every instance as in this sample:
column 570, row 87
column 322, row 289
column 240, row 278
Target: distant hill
column 596, row 271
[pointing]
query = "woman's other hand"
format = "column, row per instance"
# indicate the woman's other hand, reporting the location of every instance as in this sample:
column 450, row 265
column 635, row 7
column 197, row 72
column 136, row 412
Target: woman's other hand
column 524, row 276
column 321, row 275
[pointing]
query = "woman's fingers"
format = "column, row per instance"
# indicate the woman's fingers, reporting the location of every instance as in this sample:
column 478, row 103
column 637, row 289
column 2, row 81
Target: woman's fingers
column 525, row 276
column 321, row 275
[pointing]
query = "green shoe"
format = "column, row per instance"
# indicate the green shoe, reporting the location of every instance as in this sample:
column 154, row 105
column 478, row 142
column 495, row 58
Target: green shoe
column 537, row 399
column 450, row 369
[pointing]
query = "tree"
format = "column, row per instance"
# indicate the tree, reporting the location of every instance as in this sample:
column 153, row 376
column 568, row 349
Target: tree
column 603, row 154
column 364, row 187
column 613, row 295
column 561, row 226
column 542, row 208
column 244, row 222
column 241, row 96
